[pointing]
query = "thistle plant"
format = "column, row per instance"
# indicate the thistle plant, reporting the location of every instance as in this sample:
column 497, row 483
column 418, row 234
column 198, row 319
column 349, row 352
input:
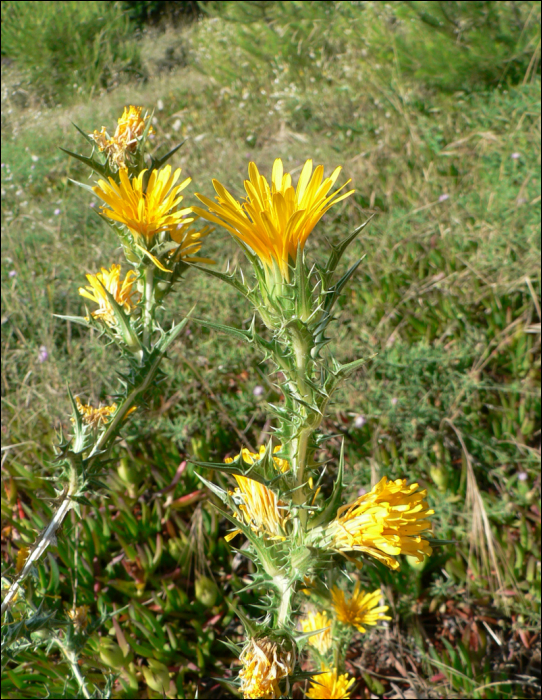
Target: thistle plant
column 300, row 541
column 142, row 204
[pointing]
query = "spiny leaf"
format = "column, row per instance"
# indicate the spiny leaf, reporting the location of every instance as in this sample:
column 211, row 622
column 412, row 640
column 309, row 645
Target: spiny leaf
column 159, row 162
column 334, row 501
column 228, row 330
column 337, row 251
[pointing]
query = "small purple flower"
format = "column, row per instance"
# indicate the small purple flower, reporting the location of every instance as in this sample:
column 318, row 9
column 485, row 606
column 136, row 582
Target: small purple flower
column 13, row 273
column 515, row 156
column 394, row 401
column 258, row 391
column 42, row 354
column 523, row 476
column 92, row 205
column 362, row 491
column 359, row 421
column 443, row 197
column 56, row 212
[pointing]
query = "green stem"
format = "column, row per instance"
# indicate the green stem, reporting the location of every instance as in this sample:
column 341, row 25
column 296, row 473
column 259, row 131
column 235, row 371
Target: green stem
column 285, row 600
column 71, row 658
column 149, row 304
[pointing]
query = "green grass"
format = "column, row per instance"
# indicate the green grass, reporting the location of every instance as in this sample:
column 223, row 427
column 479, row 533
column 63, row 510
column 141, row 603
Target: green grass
column 447, row 298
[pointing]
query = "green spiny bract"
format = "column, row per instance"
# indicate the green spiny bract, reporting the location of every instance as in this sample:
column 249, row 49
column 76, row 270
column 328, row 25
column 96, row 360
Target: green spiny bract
column 100, row 164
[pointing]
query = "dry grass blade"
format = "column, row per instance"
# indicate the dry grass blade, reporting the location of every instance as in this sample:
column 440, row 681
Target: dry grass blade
column 482, row 541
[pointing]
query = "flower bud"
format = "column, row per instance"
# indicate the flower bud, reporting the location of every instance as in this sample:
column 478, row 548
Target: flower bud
column 156, row 676
column 206, row 591
column 111, row 654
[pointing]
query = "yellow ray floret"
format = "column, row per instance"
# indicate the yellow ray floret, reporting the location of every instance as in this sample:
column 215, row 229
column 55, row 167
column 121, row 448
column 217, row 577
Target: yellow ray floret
column 131, row 125
column 130, row 128
column 275, row 221
column 281, row 465
column 189, row 242
column 123, row 291
column 361, row 609
column 79, row 617
column 261, row 509
column 264, row 665
column 387, row 521
column 145, row 212
column 95, row 417
column 330, row 684
column 318, row 621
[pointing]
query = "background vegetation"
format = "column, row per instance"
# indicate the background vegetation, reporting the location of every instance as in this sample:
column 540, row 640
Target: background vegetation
column 433, row 110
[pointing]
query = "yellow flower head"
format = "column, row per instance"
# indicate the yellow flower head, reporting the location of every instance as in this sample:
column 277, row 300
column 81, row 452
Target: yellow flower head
column 251, row 457
column 95, row 417
column 275, row 221
column 264, row 664
column 145, row 212
column 318, row 621
column 130, row 128
column 189, row 242
column 361, row 609
column 330, row 685
column 121, row 290
column 79, row 616
column 387, row 521
column 261, row 509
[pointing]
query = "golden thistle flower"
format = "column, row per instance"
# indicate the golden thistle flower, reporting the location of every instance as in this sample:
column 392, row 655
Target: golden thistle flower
column 318, row 621
column 387, row 521
column 95, row 417
column 330, row 685
column 361, row 609
column 189, row 242
column 148, row 212
column 130, row 128
column 264, row 664
column 122, row 291
column 250, row 457
column 275, row 222
column 79, row 617
column 261, row 509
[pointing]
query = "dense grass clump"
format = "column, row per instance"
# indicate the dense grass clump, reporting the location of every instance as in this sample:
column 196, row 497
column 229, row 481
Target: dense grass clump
column 69, row 49
column 433, row 109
